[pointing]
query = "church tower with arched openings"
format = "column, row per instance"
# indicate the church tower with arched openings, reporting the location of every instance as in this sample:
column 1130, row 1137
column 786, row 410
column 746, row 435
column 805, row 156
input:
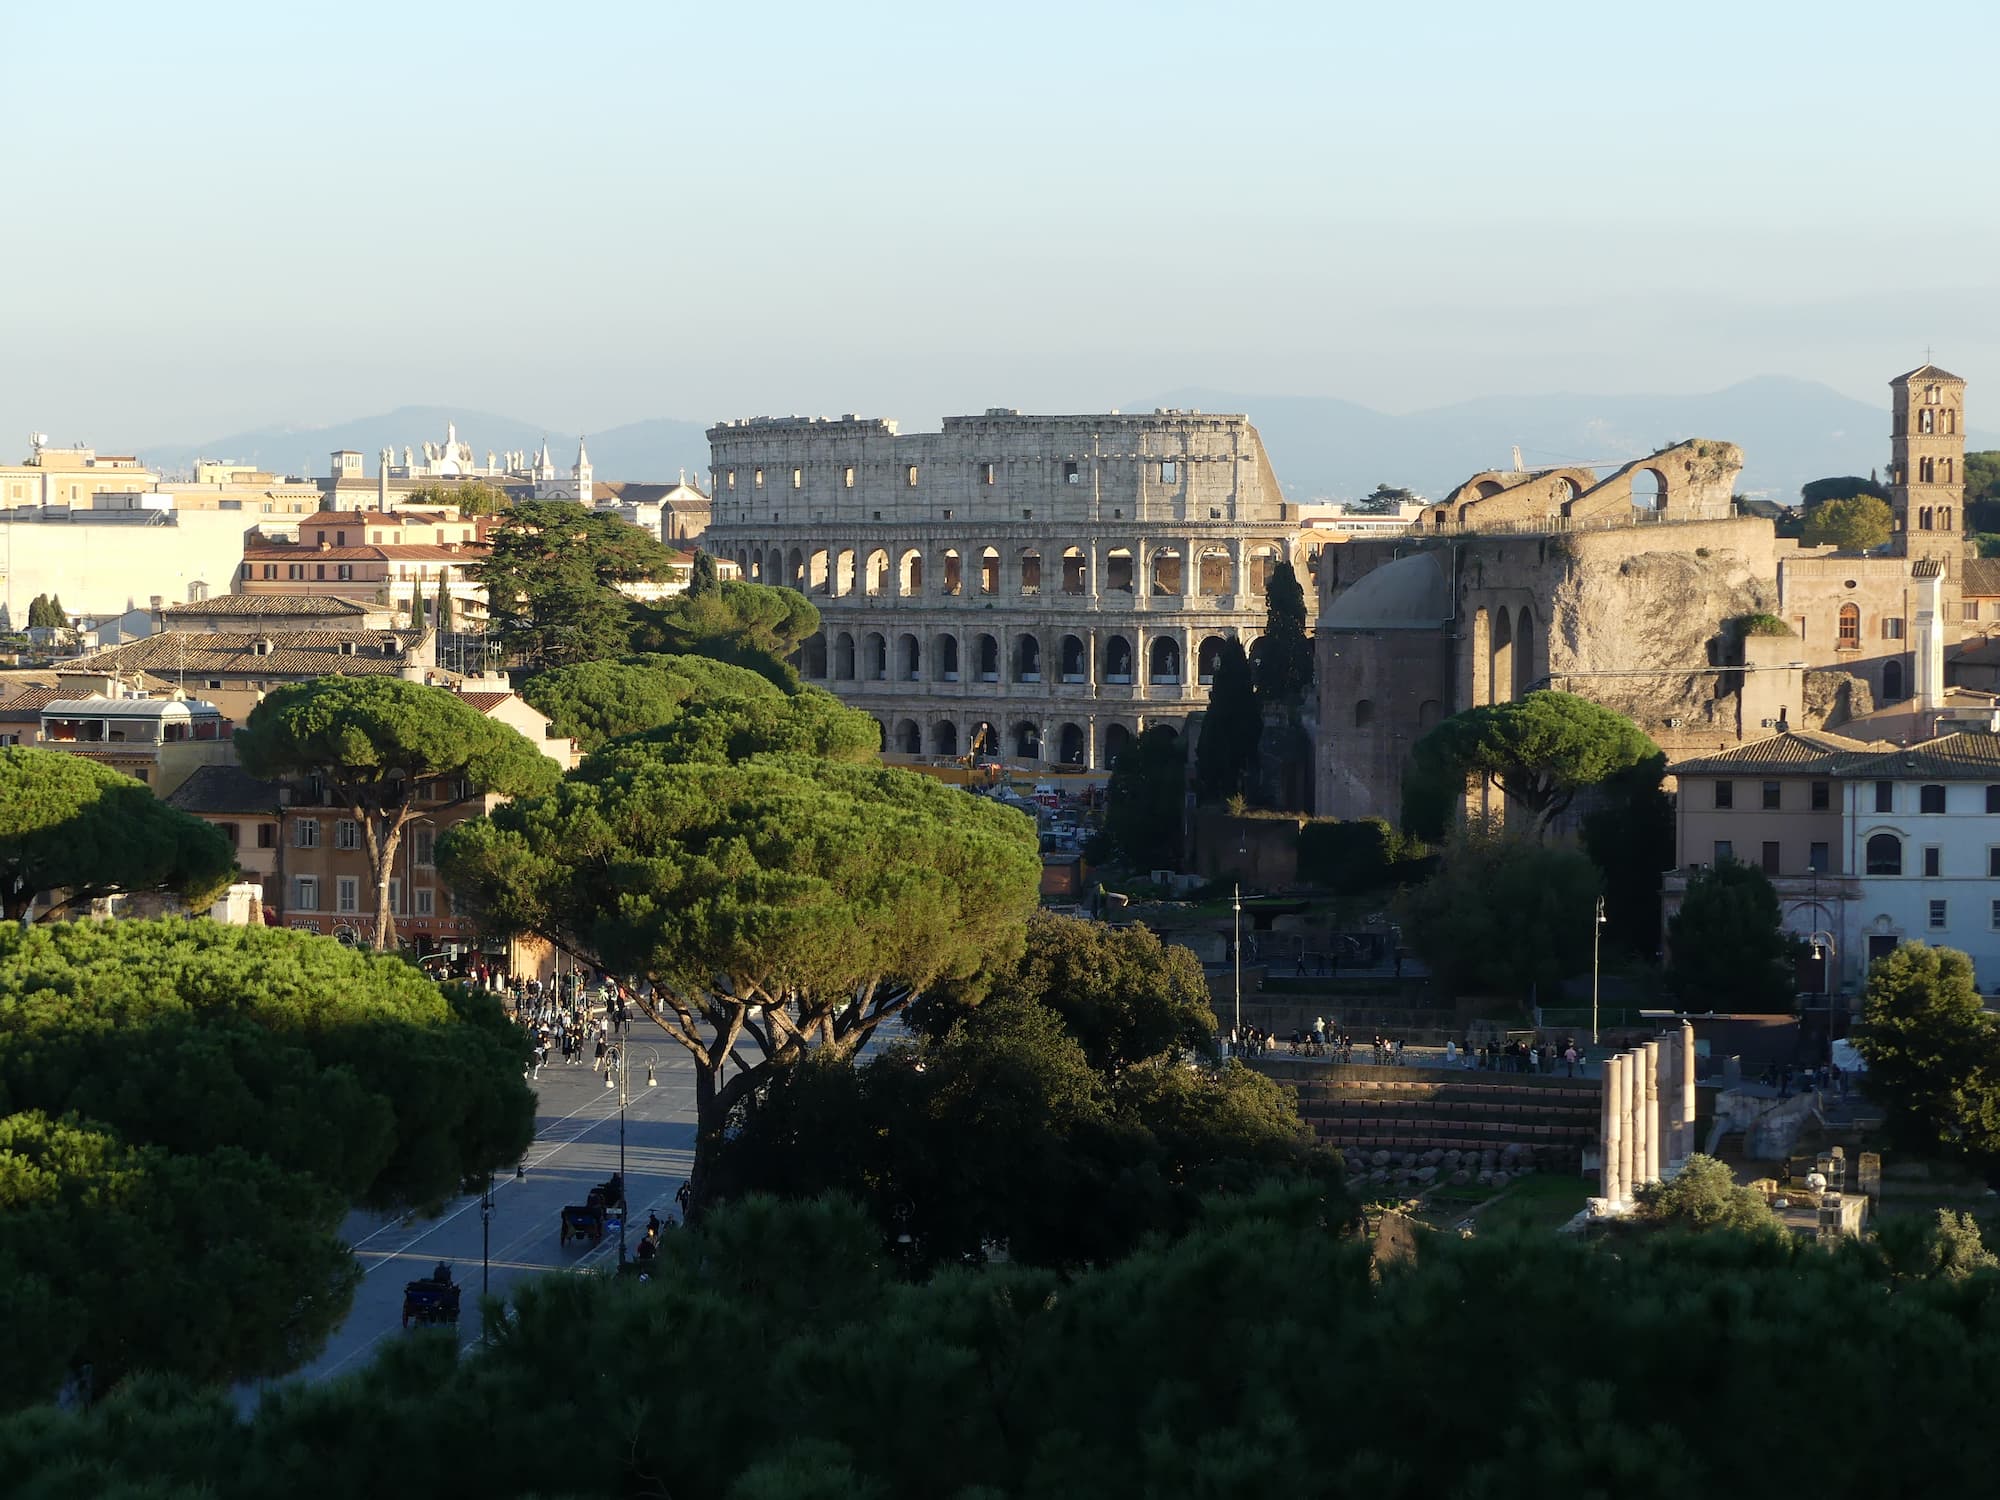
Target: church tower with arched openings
column 1927, row 466
column 586, row 488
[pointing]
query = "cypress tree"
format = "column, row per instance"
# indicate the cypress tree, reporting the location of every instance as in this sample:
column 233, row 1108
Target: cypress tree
column 1284, row 659
column 1229, row 729
column 444, row 601
column 704, row 580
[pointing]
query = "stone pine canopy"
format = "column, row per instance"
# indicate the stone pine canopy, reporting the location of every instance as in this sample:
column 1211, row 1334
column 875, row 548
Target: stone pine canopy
column 1411, row 593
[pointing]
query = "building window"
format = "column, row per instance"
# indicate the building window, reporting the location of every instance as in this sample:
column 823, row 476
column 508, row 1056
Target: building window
column 305, row 833
column 1821, row 796
column 347, row 894
column 1724, row 851
column 847, row 477
column 343, row 573
column 731, row 482
column 230, row 832
column 1993, row 864
column 271, row 570
column 1169, row 471
column 1773, row 796
column 1725, row 794
column 426, row 900
column 1885, row 854
column 346, row 834
column 1970, row 609
column 319, row 572
column 798, row 482
column 1933, row 861
column 1892, row 627
column 910, row 476
column 1768, row 856
column 1996, row 915
column 1930, row 799
column 1816, row 859
column 1885, row 796
column 1849, row 637
column 757, row 479
column 267, row 835
column 295, row 572
column 1938, row 909
column 305, row 893
column 986, row 474
column 422, row 842
column 1072, row 474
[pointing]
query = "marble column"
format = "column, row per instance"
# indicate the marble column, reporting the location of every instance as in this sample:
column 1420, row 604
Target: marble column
column 1649, row 1072
column 1687, row 1090
column 1611, row 1135
column 1624, row 1064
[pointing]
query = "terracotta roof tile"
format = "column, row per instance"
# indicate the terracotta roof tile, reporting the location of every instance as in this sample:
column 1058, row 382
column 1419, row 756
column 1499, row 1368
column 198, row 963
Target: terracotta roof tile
column 224, row 789
column 309, row 653
column 1796, row 752
column 1981, row 577
column 264, row 604
column 1967, row 756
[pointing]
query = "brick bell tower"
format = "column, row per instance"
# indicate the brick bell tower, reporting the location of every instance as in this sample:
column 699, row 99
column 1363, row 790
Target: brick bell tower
column 1927, row 467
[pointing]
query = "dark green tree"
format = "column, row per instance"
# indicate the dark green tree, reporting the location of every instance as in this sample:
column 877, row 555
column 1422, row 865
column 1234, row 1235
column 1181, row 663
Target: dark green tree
column 1706, row 1196
column 1629, row 836
column 390, row 752
column 1856, row 523
column 1145, row 799
column 1358, row 858
column 774, row 906
column 1503, row 915
column 441, row 616
column 745, row 624
column 702, row 580
column 1383, row 500
column 697, row 708
column 1282, row 659
column 417, row 604
column 1541, row 751
column 1839, row 487
column 552, row 578
column 1230, row 729
column 1727, row 949
column 81, row 830
column 38, row 613
column 1933, row 1054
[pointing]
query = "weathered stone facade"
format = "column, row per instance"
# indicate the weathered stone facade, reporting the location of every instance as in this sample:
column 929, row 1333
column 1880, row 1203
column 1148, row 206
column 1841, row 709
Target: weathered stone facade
column 1035, row 587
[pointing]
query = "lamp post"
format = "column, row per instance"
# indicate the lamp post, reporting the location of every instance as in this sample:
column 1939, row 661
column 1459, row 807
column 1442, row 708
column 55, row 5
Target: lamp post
column 1236, row 951
column 1596, row 936
column 486, row 1239
column 624, row 1095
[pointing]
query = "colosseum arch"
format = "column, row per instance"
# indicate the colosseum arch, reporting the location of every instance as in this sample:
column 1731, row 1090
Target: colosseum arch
column 1075, row 571
column 843, row 572
column 944, row 738
column 909, row 737
column 1116, row 738
column 1075, row 660
column 774, row 566
column 1163, row 660
column 910, row 572
column 813, row 657
column 1169, row 578
column 1027, row 658
column 817, row 570
column 1117, row 659
column 874, row 657
column 843, row 657
column 1118, row 571
column 986, row 658
column 1216, row 573
column 989, row 570
column 909, row 658
column 954, row 572
column 1070, row 745
column 1263, row 558
column 983, row 739
column 947, row 657
column 1030, row 564
column 1207, row 656
column 795, row 569
column 1027, row 741
column 876, row 575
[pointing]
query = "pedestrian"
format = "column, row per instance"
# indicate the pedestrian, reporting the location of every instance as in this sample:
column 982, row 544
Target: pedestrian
column 1450, row 1053
column 1569, row 1060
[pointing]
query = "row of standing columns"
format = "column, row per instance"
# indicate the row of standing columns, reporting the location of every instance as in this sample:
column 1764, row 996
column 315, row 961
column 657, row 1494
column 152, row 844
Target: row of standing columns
column 1648, row 1112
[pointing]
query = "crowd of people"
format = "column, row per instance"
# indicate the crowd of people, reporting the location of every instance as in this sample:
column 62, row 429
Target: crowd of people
column 1324, row 1040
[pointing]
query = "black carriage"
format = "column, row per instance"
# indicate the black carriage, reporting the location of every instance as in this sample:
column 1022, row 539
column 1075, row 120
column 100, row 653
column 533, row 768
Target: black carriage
column 430, row 1302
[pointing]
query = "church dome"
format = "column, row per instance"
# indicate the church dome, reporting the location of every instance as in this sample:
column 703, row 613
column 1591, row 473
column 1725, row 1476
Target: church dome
column 1411, row 593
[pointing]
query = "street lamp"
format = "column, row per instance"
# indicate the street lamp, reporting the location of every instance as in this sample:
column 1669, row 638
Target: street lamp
column 1236, row 951
column 624, row 1095
column 1596, row 936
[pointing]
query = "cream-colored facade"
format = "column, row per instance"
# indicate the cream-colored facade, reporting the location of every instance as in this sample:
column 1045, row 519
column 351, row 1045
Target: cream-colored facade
column 1038, row 588
column 69, row 476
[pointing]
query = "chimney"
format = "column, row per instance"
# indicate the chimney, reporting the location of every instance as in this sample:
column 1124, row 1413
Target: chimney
column 1929, row 575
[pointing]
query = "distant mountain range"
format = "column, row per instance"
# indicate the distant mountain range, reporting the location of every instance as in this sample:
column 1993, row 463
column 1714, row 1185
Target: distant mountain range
column 1791, row 431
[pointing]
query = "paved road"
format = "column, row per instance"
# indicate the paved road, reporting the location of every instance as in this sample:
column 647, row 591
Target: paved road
column 576, row 1147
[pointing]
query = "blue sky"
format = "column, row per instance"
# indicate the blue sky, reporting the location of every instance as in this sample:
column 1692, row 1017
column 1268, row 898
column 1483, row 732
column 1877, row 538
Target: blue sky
column 226, row 214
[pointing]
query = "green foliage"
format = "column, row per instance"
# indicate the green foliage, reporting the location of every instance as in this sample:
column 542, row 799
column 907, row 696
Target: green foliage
column 1145, row 799
column 476, row 498
column 1282, row 659
column 1155, row 1375
column 1842, row 486
column 83, row 830
column 46, row 614
column 1948, row 1246
column 1727, row 948
column 1705, row 1196
column 745, row 624
column 1630, row 838
column 1226, row 753
column 1383, row 500
column 1982, row 476
column 1541, row 750
column 1503, row 915
column 441, row 611
column 1119, row 991
column 380, row 746
column 782, row 902
column 1858, row 523
column 703, row 579
column 1933, row 1054
column 1359, row 858
column 552, row 576
column 187, row 1110
column 1760, row 624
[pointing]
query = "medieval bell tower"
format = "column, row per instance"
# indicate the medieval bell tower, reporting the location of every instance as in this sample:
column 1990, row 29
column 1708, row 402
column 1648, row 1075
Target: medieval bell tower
column 1927, row 466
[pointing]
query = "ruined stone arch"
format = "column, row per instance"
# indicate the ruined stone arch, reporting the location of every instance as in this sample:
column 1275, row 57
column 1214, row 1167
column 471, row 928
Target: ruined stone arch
column 795, row 569
column 1207, row 655
column 986, row 658
column 1264, row 558
column 1029, row 564
column 1071, row 743
column 1118, row 571
column 1649, row 489
column 818, row 571
column 947, row 657
column 813, row 658
column 1075, row 659
column 774, row 566
column 1892, row 681
column 1216, row 573
column 1116, row 738
column 909, row 737
column 876, row 574
column 910, row 568
column 843, row 573
column 874, row 657
column 989, row 570
column 909, row 658
column 1524, row 653
column 1117, row 659
column 1486, row 489
column 944, row 738
column 1500, row 675
column 1163, row 659
column 953, row 568
column 1075, row 571
column 982, row 739
column 1027, row 657
column 843, row 657
column 1166, row 570
column 1027, row 740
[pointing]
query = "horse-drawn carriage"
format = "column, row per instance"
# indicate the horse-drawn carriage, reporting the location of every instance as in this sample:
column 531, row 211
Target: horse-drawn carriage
column 431, row 1301
column 603, row 1209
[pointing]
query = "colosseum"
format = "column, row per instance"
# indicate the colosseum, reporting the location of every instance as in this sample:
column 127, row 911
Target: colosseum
column 1031, row 588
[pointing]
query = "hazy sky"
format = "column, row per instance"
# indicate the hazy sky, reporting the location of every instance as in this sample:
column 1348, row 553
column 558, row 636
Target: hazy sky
column 222, row 214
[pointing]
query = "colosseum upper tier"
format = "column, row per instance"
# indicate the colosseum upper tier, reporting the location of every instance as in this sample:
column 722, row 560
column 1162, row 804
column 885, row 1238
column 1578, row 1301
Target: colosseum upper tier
column 1027, row 587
